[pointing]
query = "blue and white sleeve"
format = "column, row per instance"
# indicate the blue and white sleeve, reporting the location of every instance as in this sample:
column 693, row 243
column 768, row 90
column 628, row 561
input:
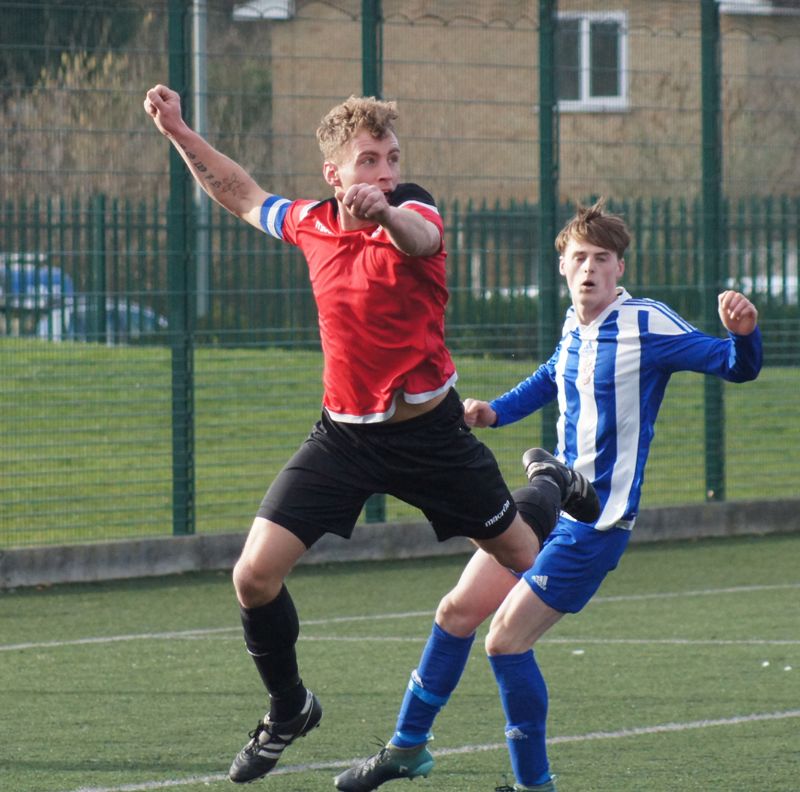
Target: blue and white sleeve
column 735, row 358
column 528, row 396
column 273, row 214
column 672, row 344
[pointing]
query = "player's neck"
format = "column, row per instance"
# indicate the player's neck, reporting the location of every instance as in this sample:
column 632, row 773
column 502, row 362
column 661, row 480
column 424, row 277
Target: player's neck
column 587, row 313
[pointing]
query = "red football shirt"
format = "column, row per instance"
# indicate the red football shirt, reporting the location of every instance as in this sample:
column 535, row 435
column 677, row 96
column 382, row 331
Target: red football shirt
column 381, row 312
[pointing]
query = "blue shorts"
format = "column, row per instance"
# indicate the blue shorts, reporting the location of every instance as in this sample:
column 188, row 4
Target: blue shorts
column 574, row 562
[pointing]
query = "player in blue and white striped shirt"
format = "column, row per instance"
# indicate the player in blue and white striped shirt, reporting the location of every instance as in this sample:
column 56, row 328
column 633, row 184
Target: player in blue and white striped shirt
column 608, row 373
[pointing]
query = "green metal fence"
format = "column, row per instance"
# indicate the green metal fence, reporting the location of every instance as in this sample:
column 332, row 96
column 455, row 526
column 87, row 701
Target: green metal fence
column 114, row 255
column 159, row 359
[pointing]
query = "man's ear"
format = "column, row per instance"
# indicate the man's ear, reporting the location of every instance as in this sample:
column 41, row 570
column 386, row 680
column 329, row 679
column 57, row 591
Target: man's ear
column 330, row 172
column 560, row 265
column 620, row 267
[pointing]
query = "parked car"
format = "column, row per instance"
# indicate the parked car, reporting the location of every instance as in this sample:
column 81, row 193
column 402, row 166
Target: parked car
column 125, row 321
column 30, row 289
column 38, row 299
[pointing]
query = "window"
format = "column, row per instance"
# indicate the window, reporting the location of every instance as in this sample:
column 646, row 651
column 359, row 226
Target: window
column 263, row 9
column 591, row 62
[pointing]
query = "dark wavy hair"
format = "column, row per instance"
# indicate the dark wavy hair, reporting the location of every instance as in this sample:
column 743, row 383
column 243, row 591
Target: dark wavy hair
column 597, row 227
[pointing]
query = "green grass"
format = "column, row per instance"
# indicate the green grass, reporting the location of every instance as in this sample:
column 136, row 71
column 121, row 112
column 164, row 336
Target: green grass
column 87, row 438
column 688, row 643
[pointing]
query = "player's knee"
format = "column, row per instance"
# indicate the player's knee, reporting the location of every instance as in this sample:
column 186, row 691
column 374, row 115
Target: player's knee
column 254, row 586
column 243, row 583
column 456, row 616
column 501, row 641
column 494, row 644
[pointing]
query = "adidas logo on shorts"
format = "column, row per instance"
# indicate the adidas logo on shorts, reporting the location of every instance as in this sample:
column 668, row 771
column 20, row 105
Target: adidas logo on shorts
column 541, row 581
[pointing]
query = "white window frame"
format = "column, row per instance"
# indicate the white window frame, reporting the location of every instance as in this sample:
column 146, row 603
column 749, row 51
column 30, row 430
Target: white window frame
column 593, row 104
column 755, row 8
column 260, row 10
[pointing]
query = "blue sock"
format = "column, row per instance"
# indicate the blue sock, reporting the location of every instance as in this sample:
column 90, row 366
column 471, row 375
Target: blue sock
column 435, row 678
column 523, row 694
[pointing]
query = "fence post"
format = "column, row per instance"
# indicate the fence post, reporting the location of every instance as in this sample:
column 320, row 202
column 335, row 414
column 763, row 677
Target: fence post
column 178, row 279
column 548, row 199
column 712, row 239
column 96, row 302
column 372, row 85
column 372, row 48
column 202, row 203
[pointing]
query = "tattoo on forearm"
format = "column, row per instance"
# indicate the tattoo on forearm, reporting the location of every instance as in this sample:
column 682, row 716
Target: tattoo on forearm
column 231, row 184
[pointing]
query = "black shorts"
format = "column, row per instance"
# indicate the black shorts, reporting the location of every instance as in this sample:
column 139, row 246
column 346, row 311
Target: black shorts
column 433, row 462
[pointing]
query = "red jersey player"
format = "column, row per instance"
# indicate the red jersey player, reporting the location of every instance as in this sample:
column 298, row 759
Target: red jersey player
column 391, row 421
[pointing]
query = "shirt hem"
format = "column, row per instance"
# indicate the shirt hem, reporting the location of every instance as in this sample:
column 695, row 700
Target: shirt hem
column 382, row 417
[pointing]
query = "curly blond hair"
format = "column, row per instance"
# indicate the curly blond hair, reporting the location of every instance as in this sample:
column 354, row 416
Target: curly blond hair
column 343, row 122
column 597, row 227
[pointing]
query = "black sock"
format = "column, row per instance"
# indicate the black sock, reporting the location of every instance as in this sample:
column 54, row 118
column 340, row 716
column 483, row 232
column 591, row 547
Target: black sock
column 270, row 634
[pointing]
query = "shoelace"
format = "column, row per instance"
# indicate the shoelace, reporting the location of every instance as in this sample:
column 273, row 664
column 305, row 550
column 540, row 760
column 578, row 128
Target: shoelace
column 506, row 787
column 374, row 761
column 255, row 744
column 253, row 735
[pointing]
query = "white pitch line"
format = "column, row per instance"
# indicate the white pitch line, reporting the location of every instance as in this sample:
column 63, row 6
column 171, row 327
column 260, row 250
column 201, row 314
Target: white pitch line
column 107, row 639
column 678, row 641
column 577, row 640
column 642, row 731
column 202, row 633
column 696, row 593
column 196, row 633
column 380, row 616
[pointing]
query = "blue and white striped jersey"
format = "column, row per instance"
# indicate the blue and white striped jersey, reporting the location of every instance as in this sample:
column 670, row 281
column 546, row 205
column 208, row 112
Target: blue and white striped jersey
column 609, row 378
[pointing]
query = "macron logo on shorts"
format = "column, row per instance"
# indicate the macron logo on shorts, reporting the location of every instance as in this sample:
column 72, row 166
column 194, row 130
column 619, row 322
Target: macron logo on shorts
column 541, row 581
column 499, row 515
